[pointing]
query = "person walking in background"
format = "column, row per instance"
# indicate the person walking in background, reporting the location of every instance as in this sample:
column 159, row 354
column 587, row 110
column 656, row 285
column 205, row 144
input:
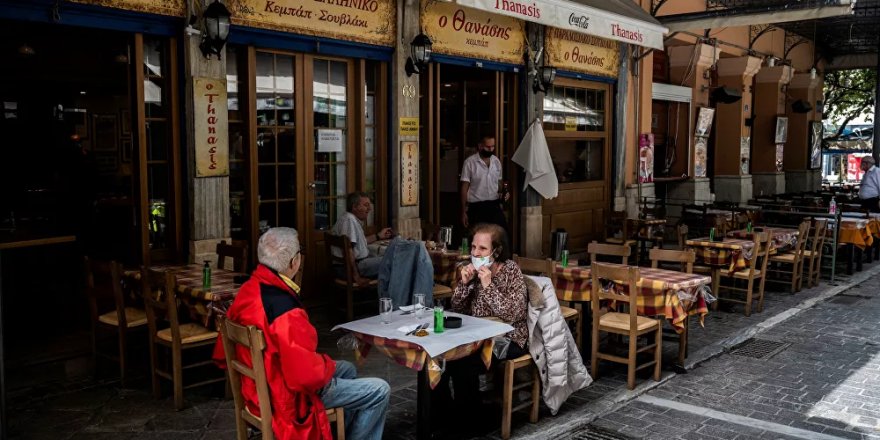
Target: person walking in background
column 869, row 189
column 480, row 179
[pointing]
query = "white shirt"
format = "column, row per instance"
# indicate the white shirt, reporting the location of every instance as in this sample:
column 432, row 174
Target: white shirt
column 350, row 226
column 870, row 186
column 483, row 178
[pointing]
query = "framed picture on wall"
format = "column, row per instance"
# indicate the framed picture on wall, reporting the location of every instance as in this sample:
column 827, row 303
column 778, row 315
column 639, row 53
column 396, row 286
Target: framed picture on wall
column 704, row 121
column 104, row 133
column 781, row 129
column 816, row 132
column 124, row 122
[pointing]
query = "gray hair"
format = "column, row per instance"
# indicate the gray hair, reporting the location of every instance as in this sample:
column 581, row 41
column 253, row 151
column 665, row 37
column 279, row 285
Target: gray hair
column 353, row 198
column 277, row 247
column 869, row 160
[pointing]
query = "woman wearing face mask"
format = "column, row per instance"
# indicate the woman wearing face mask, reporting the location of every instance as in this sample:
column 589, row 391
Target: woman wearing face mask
column 491, row 285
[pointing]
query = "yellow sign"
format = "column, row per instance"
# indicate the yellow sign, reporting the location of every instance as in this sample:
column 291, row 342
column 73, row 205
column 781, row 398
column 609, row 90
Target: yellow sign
column 176, row 8
column 409, row 126
column 409, row 173
column 571, row 123
column 466, row 32
column 577, row 52
column 364, row 21
column 211, row 132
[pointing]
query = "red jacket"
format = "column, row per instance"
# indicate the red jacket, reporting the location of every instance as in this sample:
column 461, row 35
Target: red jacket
column 294, row 370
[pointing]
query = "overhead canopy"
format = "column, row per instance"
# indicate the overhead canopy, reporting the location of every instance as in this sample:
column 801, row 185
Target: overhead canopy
column 620, row 20
column 730, row 13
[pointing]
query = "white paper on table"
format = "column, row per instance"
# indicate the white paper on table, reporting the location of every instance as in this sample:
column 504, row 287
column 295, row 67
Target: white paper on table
column 472, row 330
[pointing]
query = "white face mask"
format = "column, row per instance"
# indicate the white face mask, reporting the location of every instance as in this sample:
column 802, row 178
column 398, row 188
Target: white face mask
column 479, row 262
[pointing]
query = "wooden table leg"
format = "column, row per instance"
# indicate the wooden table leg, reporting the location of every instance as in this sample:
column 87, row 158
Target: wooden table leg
column 716, row 285
column 423, row 405
column 848, row 250
column 858, row 256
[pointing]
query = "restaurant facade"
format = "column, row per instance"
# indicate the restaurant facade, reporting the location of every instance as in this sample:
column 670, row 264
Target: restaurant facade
column 311, row 100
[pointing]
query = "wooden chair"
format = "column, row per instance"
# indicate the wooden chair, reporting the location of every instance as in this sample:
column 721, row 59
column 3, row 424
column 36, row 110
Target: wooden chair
column 238, row 252
column 789, row 265
column 509, row 391
column 109, row 311
column 682, row 235
column 813, row 255
column 617, row 229
column 684, row 258
column 547, row 268
column 610, row 250
column 252, row 339
column 757, row 271
column 628, row 324
column 160, row 298
column 348, row 282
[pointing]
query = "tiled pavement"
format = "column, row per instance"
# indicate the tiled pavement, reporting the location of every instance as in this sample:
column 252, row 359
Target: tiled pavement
column 78, row 407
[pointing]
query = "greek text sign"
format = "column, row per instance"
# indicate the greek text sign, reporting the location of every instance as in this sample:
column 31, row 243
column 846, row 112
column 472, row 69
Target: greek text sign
column 473, row 33
column 364, row 21
column 175, row 8
column 572, row 16
column 211, row 129
column 409, row 173
column 569, row 50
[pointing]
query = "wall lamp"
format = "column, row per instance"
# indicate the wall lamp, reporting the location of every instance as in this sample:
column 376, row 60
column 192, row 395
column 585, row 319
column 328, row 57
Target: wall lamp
column 216, row 18
column 420, row 54
column 543, row 79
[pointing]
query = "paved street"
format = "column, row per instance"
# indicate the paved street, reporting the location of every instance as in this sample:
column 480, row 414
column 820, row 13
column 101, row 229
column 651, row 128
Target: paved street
column 823, row 385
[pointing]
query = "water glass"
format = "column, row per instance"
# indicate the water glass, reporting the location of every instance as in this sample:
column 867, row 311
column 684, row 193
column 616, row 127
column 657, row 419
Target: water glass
column 418, row 304
column 385, row 307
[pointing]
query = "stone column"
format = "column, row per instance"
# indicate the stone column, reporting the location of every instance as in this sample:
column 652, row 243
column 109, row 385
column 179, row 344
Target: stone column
column 769, row 103
column 209, row 216
column 733, row 182
column 688, row 66
column 404, row 219
column 798, row 176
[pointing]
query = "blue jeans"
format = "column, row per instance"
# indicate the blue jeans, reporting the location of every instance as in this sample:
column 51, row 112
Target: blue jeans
column 365, row 402
column 369, row 267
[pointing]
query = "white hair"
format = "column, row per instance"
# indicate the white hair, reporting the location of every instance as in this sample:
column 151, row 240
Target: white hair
column 277, row 247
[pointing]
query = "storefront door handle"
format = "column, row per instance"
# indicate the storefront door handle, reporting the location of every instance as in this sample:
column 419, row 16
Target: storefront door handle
column 311, row 185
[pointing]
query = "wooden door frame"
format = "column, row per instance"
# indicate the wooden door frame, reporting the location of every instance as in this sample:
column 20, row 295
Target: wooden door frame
column 171, row 94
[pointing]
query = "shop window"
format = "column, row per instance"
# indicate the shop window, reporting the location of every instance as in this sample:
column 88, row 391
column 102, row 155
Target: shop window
column 574, row 109
column 159, row 145
column 578, row 160
column 237, row 104
column 330, row 110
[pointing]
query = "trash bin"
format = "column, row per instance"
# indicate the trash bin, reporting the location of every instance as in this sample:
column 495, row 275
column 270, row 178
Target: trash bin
column 558, row 242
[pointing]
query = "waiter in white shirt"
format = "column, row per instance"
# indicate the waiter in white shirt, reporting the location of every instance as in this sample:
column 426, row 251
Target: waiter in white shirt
column 480, row 177
column 869, row 189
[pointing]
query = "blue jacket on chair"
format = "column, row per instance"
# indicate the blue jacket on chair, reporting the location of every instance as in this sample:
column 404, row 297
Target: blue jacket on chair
column 406, row 269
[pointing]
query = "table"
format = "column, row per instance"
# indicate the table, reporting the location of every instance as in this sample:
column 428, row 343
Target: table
column 645, row 233
column 673, row 295
column 856, row 234
column 783, row 238
column 208, row 303
column 8, row 242
column 424, row 354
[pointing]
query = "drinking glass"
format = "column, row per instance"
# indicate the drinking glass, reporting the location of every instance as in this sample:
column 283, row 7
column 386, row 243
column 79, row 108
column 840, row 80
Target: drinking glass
column 385, row 307
column 418, row 304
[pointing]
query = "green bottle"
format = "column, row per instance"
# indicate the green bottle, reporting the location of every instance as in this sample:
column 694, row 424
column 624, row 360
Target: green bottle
column 465, row 248
column 206, row 275
column 439, row 325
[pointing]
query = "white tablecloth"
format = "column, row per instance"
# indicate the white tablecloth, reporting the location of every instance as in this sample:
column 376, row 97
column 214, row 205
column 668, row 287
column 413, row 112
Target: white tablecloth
column 472, row 329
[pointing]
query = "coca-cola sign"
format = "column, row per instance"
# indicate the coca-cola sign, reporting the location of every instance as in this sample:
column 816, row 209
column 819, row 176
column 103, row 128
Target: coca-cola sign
column 580, row 21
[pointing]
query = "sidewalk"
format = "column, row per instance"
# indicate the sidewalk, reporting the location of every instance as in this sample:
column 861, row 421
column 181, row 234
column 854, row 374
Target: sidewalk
column 89, row 409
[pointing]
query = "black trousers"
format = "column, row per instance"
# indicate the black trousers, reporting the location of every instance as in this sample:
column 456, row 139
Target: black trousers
column 872, row 204
column 486, row 212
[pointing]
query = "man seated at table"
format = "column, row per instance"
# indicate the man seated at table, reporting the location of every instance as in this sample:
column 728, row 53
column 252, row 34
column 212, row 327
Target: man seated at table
column 350, row 224
column 491, row 285
column 302, row 382
column 869, row 190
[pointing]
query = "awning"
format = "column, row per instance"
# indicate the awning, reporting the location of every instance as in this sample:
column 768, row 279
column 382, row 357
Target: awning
column 620, row 20
column 753, row 16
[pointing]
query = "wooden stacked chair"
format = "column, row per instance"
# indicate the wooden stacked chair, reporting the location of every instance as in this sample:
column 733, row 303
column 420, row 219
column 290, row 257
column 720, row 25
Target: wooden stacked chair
column 788, row 266
column 756, row 272
column 109, row 310
column 628, row 324
column 253, row 340
column 167, row 332
column 347, row 283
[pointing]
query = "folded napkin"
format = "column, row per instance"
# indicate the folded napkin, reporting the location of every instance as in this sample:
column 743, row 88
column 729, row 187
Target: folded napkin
column 406, row 308
column 411, row 327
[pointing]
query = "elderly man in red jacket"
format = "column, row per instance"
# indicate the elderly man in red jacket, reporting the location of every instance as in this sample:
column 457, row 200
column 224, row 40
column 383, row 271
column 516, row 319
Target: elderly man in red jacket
column 302, row 382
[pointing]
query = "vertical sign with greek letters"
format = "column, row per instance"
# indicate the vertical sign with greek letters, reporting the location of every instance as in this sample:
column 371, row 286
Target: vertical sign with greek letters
column 409, row 173
column 211, row 131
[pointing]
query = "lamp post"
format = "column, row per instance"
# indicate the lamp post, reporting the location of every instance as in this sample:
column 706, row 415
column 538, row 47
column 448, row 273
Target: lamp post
column 216, row 20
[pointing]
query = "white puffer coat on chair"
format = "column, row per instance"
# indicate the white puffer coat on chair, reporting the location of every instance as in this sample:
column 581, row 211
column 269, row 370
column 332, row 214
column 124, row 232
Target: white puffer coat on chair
column 552, row 346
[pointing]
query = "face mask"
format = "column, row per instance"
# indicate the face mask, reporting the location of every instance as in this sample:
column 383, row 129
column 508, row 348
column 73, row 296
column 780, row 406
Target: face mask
column 485, row 154
column 479, row 262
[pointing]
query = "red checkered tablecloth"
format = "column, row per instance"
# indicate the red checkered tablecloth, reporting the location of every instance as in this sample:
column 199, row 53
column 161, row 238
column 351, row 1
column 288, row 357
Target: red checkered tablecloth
column 412, row 356
column 732, row 253
column 445, row 264
column 675, row 295
column 204, row 303
column 783, row 238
